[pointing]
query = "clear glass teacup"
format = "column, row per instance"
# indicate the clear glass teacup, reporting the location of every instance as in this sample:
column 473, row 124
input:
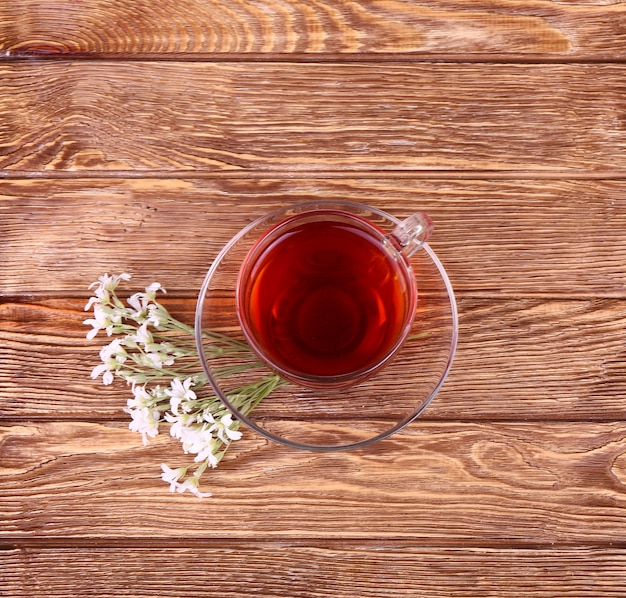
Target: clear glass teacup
column 326, row 298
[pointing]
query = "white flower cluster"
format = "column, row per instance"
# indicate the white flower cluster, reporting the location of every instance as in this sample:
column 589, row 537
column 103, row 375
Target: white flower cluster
column 156, row 355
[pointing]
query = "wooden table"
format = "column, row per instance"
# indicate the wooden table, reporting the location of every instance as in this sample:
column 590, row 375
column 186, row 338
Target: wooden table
column 139, row 136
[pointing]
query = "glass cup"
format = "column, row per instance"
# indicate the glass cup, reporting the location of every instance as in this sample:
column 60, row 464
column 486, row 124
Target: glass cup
column 326, row 298
column 339, row 308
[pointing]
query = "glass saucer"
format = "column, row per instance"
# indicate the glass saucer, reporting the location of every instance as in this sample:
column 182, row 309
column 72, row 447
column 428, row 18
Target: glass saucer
column 337, row 418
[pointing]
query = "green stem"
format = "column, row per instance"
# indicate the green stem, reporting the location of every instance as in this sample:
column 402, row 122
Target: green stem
column 256, row 392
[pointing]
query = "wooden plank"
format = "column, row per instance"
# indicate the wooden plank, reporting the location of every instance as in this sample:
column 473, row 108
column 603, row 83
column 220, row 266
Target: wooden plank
column 476, row 483
column 150, row 116
column 328, row 569
column 92, row 27
column 556, row 238
column 517, row 359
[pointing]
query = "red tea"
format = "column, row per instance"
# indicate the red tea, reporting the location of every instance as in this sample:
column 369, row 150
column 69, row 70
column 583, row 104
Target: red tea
column 322, row 297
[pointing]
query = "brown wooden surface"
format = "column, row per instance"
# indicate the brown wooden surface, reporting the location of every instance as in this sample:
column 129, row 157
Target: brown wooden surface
column 204, row 27
column 462, row 483
column 534, row 355
column 305, row 569
column 141, row 136
column 175, row 116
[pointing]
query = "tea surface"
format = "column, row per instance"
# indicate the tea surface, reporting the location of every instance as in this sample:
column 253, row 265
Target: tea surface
column 325, row 299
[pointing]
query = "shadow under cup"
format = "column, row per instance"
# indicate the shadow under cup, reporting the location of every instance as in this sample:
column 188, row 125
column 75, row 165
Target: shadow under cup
column 334, row 393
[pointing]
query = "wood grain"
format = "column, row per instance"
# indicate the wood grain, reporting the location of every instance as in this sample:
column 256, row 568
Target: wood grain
column 561, row 238
column 140, row 136
column 477, row 483
column 540, row 360
column 310, row 569
column 149, row 116
column 205, row 27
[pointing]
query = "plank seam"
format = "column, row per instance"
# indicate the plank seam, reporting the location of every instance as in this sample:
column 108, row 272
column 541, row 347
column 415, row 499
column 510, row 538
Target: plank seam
column 59, row 55
column 294, row 174
column 378, row 543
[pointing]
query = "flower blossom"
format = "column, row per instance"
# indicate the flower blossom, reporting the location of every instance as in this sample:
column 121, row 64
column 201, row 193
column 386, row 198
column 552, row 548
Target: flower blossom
column 104, row 318
column 173, row 476
column 179, row 424
column 103, row 287
column 113, row 357
column 105, row 371
column 192, row 484
column 144, row 306
column 180, row 392
column 114, row 352
column 225, row 429
column 196, row 438
column 145, row 421
column 142, row 397
column 143, row 335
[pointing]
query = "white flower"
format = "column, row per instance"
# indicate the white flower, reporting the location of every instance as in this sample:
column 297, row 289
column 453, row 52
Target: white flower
column 136, row 301
column 143, row 303
column 151, row 290
column 113, row 356
column 210, row 451
column 91, row 301
column 145, row 421
column 178, row 423
column 180, row 392
column 143, row 335
column 207, row 415
column 114, row 352
column 105, row 318
column 172, row 476
column 192, row 484
column 157, row 360
column 157, row 315
column 226, row 429
column 142, row 398
column 196, row 439
column 154, row 360
column 104, row 286
column 105, row 371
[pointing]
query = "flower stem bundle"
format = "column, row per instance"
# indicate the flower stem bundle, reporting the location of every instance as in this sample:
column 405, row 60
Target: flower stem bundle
column 156, row 355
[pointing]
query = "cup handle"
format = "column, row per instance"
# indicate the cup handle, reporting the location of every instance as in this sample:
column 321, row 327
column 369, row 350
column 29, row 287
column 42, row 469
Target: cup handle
column 410, row 234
